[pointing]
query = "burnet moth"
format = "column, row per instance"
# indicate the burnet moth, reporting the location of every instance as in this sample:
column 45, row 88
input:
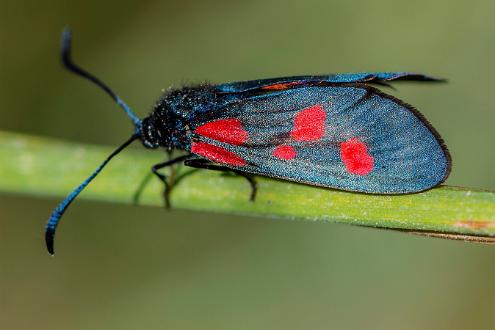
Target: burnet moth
column 335, row 131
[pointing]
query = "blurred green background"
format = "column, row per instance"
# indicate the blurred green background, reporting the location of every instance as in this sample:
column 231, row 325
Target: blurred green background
column 125, row 267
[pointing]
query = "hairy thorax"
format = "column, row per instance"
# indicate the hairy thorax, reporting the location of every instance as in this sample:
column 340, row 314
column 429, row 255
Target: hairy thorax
column 168, row 125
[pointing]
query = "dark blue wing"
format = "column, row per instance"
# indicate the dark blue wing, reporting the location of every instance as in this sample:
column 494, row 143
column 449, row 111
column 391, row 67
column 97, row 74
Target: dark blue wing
column 365, row 77
column 370, row 142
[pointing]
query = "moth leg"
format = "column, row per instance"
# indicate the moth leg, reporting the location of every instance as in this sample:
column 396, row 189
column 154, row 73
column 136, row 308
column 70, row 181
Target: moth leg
column 140, row 189
column 207, row 165
column 163, row 177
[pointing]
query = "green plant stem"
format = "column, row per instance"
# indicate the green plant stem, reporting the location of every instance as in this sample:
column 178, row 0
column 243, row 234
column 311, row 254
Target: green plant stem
column 47, row 167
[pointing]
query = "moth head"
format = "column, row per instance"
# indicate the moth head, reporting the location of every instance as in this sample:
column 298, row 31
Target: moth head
column 150, row 136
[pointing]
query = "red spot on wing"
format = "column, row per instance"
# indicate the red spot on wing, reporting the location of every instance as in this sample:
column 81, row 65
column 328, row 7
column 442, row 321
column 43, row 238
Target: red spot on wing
column 217, row 154
column 309, row 124
column 281, row 86
column 224, row 130
column 284, row 152
column 354, row 154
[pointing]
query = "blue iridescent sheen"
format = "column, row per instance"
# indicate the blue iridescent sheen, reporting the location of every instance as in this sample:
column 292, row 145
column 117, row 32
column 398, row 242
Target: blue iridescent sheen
column 409, row 154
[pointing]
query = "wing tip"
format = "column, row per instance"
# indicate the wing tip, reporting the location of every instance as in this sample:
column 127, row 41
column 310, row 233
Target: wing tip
column 425, row 121
column 412, row 76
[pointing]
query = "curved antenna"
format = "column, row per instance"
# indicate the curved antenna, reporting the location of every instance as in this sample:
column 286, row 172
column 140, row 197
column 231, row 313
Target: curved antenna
column 71, row 66
column 57, row 213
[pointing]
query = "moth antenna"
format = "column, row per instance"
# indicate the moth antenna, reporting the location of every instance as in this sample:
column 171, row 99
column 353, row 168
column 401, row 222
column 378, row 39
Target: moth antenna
column 57, row 213
column 65, row 50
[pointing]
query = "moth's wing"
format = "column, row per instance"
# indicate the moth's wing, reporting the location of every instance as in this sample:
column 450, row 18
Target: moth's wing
column 289, row 82
column 353, row 138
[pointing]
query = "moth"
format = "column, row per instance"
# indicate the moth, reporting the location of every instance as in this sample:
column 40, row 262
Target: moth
column 337, row 131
